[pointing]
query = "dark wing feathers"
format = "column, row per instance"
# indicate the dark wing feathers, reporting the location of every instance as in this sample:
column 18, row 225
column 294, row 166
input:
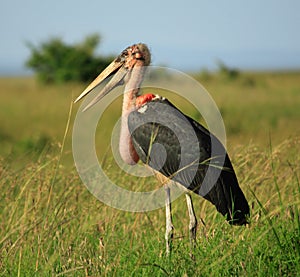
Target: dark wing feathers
column 181, row 149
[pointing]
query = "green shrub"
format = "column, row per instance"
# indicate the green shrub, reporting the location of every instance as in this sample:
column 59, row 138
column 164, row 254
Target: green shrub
column 56, row 62
column 227, row 72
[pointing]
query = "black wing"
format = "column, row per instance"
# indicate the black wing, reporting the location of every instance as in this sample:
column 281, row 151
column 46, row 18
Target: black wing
column 183, row 150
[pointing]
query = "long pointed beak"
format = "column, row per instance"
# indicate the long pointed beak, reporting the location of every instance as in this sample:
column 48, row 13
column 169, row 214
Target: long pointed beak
column 114, row 67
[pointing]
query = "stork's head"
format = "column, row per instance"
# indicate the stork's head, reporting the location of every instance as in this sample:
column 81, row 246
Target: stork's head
column 135, row 56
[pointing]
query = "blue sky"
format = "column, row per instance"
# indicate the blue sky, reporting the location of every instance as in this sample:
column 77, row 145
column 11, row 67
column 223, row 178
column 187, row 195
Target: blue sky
column 186, row 35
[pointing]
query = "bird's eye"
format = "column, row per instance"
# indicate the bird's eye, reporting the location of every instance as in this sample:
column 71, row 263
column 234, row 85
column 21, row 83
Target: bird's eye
column 122, row 57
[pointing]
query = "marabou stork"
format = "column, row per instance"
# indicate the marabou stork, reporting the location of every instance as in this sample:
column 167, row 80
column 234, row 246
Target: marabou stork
column 140, row 129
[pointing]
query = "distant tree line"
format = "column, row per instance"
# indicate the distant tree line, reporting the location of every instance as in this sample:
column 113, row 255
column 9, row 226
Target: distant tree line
column 56, row 62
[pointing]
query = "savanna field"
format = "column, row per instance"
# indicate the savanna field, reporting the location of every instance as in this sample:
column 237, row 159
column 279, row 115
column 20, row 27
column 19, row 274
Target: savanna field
column 51, row 225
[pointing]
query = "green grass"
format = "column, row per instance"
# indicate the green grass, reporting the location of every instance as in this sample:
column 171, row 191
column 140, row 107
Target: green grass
column 50, row 225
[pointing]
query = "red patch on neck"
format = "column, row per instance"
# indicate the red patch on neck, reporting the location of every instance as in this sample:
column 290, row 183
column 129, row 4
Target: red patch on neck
column 141, row 100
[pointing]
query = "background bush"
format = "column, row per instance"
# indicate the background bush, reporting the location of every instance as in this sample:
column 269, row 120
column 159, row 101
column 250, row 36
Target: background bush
column 56, row 62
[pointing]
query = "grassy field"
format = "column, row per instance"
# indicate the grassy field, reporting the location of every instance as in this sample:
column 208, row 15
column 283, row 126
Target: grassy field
column 50, row 225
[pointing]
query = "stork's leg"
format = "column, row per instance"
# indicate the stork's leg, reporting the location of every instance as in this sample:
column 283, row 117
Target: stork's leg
column 169, row 225
column 193, row 219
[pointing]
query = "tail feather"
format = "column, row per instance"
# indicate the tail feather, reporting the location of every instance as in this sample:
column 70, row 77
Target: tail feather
column 229, row 199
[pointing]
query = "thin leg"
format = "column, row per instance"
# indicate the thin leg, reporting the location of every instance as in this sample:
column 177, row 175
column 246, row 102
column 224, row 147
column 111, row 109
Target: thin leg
column 193, row 219
column 169, row 225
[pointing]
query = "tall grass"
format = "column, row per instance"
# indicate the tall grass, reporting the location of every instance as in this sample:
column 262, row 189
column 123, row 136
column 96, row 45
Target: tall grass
column 73, row 234
column 50, row 225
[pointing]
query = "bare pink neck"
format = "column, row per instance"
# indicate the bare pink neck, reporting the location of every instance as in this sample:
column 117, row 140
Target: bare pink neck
column 127, row 151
